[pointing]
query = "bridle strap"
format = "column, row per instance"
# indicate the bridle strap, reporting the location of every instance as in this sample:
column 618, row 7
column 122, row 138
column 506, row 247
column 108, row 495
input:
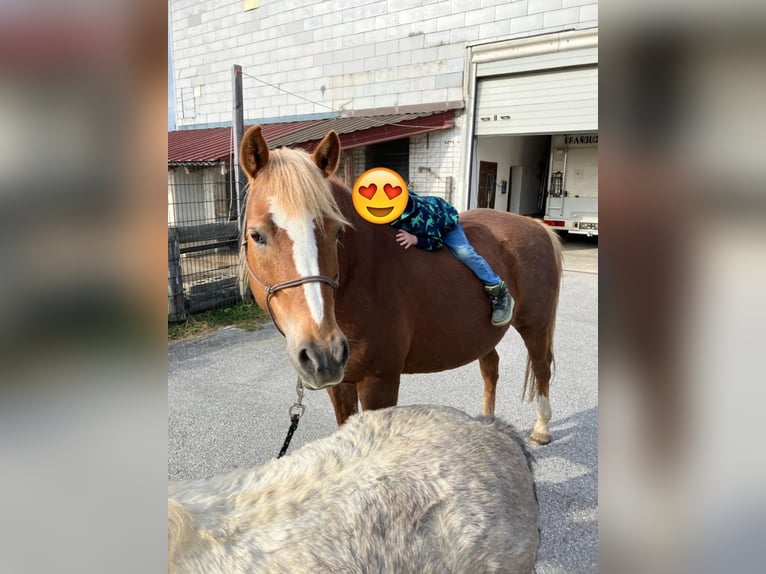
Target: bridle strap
column 272, row 289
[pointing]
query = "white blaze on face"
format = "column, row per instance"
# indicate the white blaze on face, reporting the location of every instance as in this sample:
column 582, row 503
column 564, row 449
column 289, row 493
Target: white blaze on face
column 305, row 256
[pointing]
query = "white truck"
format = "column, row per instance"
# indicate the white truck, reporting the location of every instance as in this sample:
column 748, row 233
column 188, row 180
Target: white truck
column 572, row 184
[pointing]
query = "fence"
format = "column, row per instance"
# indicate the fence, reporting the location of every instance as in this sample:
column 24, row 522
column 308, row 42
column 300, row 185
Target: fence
column 203, row 245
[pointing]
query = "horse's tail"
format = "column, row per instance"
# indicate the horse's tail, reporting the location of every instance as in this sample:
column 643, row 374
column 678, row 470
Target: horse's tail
column 531, row 383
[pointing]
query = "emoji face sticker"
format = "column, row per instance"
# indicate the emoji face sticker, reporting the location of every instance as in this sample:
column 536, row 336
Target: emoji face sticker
column 380, row 195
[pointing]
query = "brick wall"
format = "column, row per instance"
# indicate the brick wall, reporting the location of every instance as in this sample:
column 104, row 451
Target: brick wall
column 435, row 162
column 341, row 54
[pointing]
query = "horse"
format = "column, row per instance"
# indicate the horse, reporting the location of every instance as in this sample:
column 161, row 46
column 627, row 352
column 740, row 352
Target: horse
column 384, row 493
column 357, row 310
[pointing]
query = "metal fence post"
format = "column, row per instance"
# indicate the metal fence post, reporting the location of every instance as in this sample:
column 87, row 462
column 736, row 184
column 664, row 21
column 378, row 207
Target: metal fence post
column 176, row 307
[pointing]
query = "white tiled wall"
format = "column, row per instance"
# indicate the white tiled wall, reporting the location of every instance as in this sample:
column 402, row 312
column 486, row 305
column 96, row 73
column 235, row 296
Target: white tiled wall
column 340, row 54
column 435, row 162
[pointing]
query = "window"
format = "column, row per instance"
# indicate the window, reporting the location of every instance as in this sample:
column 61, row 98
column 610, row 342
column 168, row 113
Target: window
column 393, row 154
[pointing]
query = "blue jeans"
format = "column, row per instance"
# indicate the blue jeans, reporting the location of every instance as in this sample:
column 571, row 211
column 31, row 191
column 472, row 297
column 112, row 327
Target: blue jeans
column 458, row 244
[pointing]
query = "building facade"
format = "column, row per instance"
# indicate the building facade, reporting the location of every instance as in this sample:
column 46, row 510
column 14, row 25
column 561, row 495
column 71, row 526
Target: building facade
column 482, row 62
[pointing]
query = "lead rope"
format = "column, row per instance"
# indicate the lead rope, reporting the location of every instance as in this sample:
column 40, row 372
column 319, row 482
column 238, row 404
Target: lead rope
column 296, row 412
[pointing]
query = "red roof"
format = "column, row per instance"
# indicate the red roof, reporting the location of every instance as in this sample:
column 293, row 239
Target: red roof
column 215, row 144
column 394, row 131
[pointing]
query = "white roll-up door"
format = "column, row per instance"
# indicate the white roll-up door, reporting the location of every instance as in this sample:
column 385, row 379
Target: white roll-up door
column 545, row 102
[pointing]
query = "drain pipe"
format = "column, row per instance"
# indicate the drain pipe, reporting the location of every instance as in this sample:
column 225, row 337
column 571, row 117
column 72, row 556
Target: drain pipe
column 470, row 120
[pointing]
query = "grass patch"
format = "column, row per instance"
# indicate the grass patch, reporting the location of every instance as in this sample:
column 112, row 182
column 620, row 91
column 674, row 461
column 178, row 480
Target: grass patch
column 248, row 316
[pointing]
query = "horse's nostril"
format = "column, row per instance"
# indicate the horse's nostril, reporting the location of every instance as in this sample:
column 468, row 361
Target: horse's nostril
column 323, row 361
column 305, row 360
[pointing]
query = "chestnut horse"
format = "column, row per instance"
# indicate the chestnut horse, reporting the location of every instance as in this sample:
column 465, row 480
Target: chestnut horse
column 357, row 310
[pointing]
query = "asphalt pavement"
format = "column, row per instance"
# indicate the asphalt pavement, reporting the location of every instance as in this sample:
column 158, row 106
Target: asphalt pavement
column 229, row 393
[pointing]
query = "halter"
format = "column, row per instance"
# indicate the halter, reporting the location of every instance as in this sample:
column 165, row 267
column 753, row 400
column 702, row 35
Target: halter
column 271, row 289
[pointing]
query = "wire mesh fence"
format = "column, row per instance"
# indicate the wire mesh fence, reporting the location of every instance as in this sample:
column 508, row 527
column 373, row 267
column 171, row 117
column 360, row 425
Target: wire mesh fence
column 203, row 246
column 203, row 240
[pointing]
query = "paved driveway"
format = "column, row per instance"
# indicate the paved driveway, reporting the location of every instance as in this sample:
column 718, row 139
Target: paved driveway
column 229, row 393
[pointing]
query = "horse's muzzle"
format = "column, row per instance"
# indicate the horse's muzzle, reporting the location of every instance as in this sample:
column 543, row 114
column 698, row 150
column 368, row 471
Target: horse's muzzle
column 322, row 365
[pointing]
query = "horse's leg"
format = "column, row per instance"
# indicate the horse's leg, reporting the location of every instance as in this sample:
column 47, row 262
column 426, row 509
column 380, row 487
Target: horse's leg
column 345, row 401
column 541, row 434
column 490, row 372
column 378, row 392
column 539, row 361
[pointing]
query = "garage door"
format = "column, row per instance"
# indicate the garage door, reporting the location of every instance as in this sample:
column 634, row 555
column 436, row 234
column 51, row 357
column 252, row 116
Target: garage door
column 541, row 103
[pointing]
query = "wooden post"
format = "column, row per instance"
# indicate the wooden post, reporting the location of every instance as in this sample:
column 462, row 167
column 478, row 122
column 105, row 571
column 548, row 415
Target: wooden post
column 348, row 166
column 238, row 127
column 176, row 308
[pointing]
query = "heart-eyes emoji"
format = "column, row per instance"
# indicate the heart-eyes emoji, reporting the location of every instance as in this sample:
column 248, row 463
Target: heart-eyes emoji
column 380, row 195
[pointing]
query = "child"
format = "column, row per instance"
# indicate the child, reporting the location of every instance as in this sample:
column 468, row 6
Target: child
column 430, row 222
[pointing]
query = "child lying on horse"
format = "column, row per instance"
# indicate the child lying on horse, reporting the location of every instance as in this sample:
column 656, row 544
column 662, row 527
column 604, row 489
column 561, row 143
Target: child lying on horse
column 429, row 223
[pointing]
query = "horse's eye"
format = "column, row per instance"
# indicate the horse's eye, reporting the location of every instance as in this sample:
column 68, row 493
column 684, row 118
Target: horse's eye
column 258, row 238
column 339, row 233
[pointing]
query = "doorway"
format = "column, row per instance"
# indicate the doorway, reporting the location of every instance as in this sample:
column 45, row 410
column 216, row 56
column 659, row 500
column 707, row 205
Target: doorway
column 487, row 179
column 510, row 186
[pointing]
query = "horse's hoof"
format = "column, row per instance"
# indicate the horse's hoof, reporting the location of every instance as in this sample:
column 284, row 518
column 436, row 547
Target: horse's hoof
column 539, row 438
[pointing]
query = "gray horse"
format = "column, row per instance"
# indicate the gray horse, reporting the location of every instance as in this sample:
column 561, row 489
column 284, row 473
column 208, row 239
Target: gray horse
column 406, row 489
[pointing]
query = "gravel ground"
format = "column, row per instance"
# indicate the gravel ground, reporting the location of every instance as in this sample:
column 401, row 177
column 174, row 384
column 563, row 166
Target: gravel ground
column 229, row 394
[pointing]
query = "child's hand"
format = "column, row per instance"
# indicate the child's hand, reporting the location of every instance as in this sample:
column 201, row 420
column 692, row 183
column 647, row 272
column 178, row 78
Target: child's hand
column 405, row 239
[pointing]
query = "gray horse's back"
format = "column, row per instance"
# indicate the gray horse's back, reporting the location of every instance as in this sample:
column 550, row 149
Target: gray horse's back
column 406, row 489
column 487, row 517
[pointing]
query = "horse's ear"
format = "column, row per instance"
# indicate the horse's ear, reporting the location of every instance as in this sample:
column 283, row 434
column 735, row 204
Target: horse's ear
column 327, row 153
column 253, row 153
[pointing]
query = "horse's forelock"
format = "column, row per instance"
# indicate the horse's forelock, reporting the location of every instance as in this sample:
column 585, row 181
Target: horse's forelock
column 295, row 183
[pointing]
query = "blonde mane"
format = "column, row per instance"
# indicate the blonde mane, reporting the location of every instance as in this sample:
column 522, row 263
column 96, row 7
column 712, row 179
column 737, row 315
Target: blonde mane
column 294, row 182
